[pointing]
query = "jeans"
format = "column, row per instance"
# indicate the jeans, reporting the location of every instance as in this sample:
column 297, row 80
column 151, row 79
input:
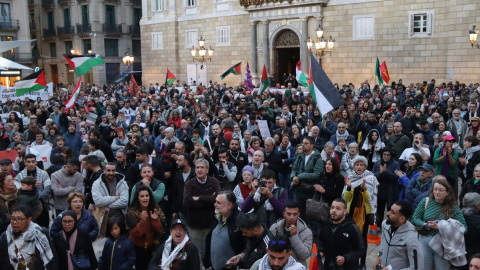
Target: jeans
column 430, row 258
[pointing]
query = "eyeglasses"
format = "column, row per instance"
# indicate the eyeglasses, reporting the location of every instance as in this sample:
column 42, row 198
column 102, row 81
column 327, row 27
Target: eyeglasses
column 68, row 222
column 16, row 220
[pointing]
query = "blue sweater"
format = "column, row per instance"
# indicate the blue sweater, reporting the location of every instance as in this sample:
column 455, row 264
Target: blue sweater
column 74, row 142
column 117, row 254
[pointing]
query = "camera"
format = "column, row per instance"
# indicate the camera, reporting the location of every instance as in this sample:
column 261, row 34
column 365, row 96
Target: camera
column 378, row 267
column 262, row 184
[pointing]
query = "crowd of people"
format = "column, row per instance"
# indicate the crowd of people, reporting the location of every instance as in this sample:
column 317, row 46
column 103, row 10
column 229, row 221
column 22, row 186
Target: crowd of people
column 183, row 177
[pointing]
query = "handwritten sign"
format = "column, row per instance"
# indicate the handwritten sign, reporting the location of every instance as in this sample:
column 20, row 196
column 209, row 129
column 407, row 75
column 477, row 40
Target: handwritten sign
column 263, row 125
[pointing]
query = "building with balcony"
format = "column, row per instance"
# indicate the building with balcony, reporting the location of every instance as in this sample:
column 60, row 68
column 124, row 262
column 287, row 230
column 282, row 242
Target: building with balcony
column 14, row 25
column 419, row 40
column 83, row 26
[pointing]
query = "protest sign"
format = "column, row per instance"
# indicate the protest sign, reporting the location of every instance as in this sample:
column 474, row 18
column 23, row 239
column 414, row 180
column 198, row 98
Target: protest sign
column 263, row 125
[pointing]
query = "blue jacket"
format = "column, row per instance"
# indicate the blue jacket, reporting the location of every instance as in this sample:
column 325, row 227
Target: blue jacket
column 404, row 181
column 86, row 223
column 74, row 142
column 117, row 254
column 416, row 191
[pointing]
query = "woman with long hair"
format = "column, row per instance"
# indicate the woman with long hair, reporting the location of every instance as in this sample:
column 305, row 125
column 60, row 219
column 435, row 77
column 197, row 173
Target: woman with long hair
column 317, row 116
column 472, row 185
column 8, row 195
column 404, row 178
column 440, row 205
column 254, row 146
column 144, row 220
column 120, row 140
column 371, row 148
column 445, row 160
column 297, row 137
column 14, row 118
column 72, row 242
column 308, row 128
column 471, row 156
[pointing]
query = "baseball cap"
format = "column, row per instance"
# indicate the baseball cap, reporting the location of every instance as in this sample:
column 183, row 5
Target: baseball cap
column 5, row 161
column 178, row 222
column 427, row 167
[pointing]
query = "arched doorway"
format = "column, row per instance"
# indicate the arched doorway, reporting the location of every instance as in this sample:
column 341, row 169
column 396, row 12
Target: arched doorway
column 287, row 55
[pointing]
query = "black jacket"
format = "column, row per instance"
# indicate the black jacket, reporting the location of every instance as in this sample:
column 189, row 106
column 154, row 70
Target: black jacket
column 344, row 240
column 188, row 261
column 256, row 249
column 107, row 151
column 134, row 172
column 274, row 161
column 5, row 262
column 240, row 161
column 83, row 245
column 177, row 190
column 472, row 245
column 237, row 242
column 469, row 186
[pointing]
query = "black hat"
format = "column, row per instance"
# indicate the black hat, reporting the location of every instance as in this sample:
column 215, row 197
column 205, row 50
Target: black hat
column 178, row 222
column 5, row 161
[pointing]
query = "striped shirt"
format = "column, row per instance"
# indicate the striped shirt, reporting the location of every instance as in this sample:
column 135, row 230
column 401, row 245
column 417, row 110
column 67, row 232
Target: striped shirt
column 422, row 215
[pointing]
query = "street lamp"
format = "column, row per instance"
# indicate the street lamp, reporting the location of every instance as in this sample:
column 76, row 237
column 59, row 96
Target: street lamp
column 128, row 60
column 89, row 51
column 321, row 46
column 473, row 37
column 72, row 51
column 204, row 54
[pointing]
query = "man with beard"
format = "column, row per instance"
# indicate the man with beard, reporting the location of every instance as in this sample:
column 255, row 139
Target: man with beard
column 398, row 141
column 204, row 125
column 238, row 158
column 110, row 191
column 184, row 173
column 225, row 239
column 91, row 165
column 257, row 237
column 279, row 256
column 64, row 182
column 340, row 242
column 458, row 126
column 417, row 147
column 400, row 247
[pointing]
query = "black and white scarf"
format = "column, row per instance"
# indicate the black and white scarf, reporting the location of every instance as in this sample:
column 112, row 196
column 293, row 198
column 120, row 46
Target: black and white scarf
column 290, row 265
column 167, row 256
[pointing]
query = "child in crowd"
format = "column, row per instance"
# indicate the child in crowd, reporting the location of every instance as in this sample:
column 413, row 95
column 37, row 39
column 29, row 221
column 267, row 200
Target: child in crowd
column 28, row 194
column 118, row 252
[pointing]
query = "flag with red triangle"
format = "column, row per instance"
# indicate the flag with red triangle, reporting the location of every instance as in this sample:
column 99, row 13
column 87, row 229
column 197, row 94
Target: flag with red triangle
column 265, row 83
column 33, row 82
column 170, row 79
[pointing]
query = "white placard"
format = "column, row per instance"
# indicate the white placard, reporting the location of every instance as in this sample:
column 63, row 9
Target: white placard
column 202, row 74
column 450, row 73
column 263, row 126
column 44, row 94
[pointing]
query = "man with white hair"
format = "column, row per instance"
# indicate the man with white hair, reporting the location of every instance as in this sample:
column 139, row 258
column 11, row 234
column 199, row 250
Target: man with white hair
column 169, row 137
column 458, row 126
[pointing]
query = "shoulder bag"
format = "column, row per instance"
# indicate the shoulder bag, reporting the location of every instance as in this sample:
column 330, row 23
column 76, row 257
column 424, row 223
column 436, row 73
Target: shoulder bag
column 317, row 208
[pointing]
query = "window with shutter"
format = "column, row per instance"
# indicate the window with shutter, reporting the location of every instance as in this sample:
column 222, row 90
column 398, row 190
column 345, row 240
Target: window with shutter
column 420, row 23
column 157, row 41
column 364, row 27
column 223, row 36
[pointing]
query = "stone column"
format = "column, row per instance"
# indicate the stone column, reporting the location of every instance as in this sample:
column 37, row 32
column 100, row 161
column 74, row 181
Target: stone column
column 304, row 54
column 253, row 45
column 266, row 56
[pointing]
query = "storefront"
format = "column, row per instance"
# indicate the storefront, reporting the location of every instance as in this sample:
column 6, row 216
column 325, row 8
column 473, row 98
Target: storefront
column 8, row 77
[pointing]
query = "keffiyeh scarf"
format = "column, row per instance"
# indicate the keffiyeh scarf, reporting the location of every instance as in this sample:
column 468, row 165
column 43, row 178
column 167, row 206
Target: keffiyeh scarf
column 167, row 257
column 371, row 184
column 33, row 238
column 267, row 203
column 342, row 136
column 290, row 265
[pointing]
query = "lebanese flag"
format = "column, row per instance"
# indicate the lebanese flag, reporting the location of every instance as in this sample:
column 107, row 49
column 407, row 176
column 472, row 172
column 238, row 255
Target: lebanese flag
column 265, row 81
column 73, row 98
column 384, row 72
column 170, row 78
column 83, row 63
column 235, row 69
column 327, row 96
column 33, row 82
column 301, row 78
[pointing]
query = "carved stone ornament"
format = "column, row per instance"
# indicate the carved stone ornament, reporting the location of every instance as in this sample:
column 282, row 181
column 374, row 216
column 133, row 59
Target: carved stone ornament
column 287, row 38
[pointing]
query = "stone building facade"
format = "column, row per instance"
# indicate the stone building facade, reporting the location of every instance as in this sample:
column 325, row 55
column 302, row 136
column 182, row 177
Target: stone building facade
column 419, row 40
column 109, row 28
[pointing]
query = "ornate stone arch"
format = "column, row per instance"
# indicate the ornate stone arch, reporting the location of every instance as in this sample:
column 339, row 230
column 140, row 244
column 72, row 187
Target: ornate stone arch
column 280, row 29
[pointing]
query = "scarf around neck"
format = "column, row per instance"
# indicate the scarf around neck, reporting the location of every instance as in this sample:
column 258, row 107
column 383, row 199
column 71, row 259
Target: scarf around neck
column 34, row 239
column 167, row 256
column 267, row 203
column 342, row 136
column 290, row 265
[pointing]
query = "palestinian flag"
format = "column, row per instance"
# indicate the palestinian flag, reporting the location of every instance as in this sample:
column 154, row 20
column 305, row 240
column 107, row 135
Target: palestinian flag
column 311, row 87
column 327, row 96
column 83, row 63
column 33, row 82
column 235, row 69
column 73, row 98
column 384, row 72
column 170, row 78
column 265, row 83
column 378, row 73
column 301, row 78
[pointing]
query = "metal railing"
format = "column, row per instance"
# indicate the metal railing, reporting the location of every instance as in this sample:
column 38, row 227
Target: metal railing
column 66, row 31
column 48, row 3
column 134, row 30
column 112, row 28
column 9, row 24
column 62, row 2
column 20, row 57
column 49, row 32
column 84, row 28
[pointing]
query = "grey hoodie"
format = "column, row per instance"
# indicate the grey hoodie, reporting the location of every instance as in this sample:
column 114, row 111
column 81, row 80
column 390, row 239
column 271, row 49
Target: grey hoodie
column 398, row 250
column 301, row 242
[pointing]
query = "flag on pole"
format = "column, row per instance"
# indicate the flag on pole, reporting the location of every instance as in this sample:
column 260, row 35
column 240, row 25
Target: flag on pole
column 327, row 96
column 33, row 82
column 73, row 98
column 235, row 69
column 248, row 80
column 378, row 73
column 82, row 64
column 265, row 83
column 301, row 78
column 91, row 118
column 384, row 72
column 170, row 78
column 133, row 88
